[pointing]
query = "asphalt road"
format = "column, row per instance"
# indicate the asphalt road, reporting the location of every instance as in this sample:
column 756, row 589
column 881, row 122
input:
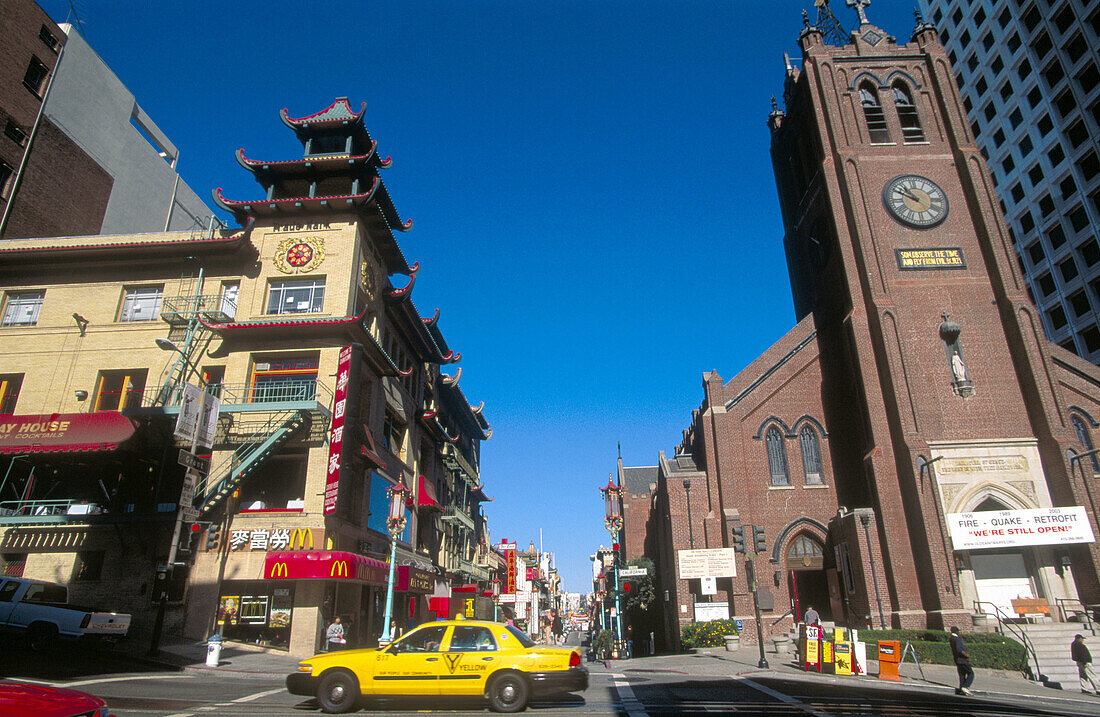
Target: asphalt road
column 631, row 688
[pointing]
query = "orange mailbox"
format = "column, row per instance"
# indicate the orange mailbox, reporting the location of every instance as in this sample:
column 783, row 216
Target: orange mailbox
column 889, row 658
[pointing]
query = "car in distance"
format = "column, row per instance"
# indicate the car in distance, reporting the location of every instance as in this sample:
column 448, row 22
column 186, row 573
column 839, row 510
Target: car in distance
column 447, row 658
column 18, row 699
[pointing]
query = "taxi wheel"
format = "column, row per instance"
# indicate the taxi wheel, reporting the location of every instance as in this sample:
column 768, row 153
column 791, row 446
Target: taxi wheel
column 508, row 693
column 338, row 692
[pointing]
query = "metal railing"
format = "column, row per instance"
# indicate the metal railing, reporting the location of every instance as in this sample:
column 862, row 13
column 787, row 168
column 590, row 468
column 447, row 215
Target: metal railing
column 1017, row 632
column 217, row 308
column 47, row 508
column 1071, row 607
column 236, row 394
column 238, row 457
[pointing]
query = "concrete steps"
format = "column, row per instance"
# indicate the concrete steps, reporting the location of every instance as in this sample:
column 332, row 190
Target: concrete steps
column 1051, row 641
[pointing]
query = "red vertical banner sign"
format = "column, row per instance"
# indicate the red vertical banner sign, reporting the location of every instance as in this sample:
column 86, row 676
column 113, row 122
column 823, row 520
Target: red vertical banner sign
column 509, row 550
column 336, row 438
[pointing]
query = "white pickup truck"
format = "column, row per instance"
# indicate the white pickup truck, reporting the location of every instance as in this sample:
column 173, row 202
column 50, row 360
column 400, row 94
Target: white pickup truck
column 42, row 610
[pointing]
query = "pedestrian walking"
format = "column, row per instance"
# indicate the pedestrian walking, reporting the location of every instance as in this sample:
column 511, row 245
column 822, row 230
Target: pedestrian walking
column 962, row 663
column 558, row 628
column 812, row 618
column 1081, row 655
column 334, row 636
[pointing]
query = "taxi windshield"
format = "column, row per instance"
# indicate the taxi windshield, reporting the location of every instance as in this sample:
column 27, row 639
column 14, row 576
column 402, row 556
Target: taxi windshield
column 520, row 635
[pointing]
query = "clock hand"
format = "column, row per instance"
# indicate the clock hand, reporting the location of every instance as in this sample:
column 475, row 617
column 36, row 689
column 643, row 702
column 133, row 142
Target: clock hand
column 907, row 193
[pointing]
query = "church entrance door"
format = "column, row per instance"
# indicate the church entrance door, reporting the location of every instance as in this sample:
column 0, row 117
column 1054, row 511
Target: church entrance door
column 1000, row 576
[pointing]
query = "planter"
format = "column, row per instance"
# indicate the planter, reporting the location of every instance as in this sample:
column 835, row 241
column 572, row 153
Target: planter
column 782, row 645
column 732, row 642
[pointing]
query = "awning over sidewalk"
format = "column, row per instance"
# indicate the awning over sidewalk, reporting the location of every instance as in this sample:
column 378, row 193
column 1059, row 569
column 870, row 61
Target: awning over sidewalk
column 325, row 565
column 64, row 432
column 425, row 497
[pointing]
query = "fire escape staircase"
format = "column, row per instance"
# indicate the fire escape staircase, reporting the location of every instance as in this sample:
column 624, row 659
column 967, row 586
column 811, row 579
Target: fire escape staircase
column 249, row 456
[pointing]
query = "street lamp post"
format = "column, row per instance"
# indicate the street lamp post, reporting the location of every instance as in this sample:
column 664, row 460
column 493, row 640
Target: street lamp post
column 395, row 524
column 177, row 529
column 496, row 599
column 613, row 521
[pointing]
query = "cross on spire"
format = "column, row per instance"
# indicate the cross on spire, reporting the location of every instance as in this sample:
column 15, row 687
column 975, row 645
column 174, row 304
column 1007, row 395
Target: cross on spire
column 860, row 6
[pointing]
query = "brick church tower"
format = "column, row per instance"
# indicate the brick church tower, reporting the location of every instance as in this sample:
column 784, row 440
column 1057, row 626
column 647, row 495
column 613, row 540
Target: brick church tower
column 941, row 396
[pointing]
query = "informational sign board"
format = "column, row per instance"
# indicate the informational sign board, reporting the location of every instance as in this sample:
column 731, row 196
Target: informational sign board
column 187, row 459
column 1010, row 528
column 707, row 611
column 947, row 257
column 187, row 422
column 709, row 586
column 712, row 562
column 843, row 657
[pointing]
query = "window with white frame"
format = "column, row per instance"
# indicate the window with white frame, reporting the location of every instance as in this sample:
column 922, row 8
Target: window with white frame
column 141, row 303
column 299, row 296
column 21, row 309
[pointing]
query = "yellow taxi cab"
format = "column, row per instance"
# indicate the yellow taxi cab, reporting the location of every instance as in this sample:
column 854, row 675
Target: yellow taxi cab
column 449, row 657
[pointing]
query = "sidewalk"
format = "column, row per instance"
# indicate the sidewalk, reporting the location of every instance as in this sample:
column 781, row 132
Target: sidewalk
column 939, row 679
column 237, row 659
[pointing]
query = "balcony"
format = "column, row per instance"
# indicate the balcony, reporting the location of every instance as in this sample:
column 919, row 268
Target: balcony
column 456, row 461
column 454, row 514
column 303, row 395
column 73, row 510
column 215, row 308
column 477, row 572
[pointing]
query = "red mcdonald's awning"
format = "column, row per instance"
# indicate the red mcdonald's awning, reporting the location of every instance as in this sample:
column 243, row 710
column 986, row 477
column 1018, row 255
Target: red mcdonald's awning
column 324, row 565
column 61, row 432
column 426, row 496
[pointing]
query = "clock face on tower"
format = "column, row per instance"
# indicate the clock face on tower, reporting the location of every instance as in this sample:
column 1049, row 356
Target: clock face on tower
column 915, row 201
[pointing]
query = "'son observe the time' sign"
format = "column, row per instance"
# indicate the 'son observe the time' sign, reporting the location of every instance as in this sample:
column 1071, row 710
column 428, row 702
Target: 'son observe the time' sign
column 931, row 258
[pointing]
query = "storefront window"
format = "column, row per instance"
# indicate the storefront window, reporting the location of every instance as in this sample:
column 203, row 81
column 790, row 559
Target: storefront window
column 380, row 508
column 256, row 612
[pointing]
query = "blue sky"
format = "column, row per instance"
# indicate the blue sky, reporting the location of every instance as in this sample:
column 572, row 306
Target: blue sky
column 594, row 205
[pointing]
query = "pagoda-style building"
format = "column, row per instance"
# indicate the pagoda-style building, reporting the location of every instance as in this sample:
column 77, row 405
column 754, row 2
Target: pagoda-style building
column 331, row 396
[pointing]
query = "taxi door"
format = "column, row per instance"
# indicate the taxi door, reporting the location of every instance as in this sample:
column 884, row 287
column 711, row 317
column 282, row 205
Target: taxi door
column 470, row 657
column 410, row 666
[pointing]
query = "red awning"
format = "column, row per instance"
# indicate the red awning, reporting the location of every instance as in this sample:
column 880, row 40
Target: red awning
column 425, row 498
column 61, row 432
column 324, row 565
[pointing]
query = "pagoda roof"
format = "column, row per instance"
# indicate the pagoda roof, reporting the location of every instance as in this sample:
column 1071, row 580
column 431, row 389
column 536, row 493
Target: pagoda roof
column 376, row 198
column 471, row 416
column 400, row 302
column 311, row 326
column 159, row 244
column 315, row 163
column 339, row 112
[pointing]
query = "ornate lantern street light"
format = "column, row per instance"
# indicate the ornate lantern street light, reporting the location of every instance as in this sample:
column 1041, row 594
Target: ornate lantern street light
column 395, row 524
column 613, row 521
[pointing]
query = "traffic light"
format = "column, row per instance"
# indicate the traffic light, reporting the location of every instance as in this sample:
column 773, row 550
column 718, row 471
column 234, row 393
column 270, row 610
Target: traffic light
column 191, row 542
column 214, row 536
column 739, row 539
column 759, row 542
column 626, row 587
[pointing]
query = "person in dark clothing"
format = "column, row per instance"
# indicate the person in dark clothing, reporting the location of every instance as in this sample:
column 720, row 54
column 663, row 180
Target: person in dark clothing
column 1079, row 651
column 557, row 627
column 962, row 663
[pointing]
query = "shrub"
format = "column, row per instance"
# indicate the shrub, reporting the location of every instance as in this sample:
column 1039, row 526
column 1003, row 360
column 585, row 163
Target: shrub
column 706, row 634
column 601, row 644
column 986, row 649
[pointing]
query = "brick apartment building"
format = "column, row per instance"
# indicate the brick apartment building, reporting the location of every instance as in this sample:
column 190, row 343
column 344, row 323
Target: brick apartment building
column 332, row 390
column 916, row 392
column 78, row 155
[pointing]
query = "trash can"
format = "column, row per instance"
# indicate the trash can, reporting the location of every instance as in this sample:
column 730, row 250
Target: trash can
column 213, row 650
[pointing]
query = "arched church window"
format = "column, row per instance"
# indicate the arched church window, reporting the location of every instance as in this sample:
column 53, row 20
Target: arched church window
column 777, row 457
column 1082, row 431
column 811, row 455
column 806, row 551
column 872, row 112
column 907, row 114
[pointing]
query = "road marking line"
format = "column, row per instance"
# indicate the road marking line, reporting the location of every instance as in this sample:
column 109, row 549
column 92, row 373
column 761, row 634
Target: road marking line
column 258, row 695
column 122, row 679
column 631, row 704
column 782, row 697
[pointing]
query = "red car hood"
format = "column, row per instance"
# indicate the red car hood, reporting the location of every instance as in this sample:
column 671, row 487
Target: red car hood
column 18, row 699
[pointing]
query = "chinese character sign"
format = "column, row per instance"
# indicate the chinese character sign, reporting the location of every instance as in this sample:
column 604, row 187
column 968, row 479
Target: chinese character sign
column 336, row 439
